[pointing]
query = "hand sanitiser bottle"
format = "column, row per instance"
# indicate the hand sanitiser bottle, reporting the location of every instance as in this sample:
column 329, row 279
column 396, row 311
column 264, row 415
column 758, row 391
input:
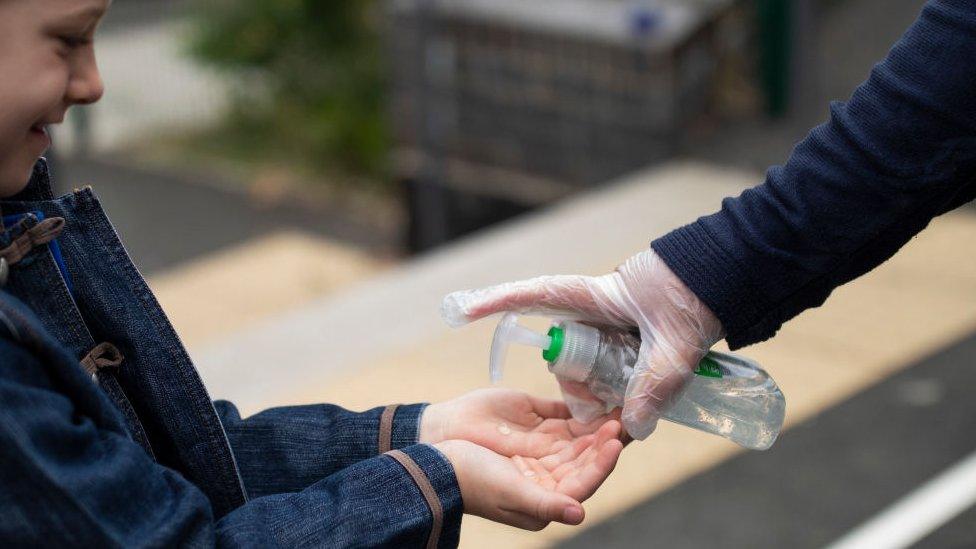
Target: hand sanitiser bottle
column 729, row 395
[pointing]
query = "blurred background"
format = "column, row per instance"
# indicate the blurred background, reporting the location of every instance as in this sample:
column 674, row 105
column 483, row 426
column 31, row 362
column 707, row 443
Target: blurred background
column 293, row 173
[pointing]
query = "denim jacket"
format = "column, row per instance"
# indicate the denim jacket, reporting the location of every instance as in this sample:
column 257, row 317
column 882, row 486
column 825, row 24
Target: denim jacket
column 108, row 437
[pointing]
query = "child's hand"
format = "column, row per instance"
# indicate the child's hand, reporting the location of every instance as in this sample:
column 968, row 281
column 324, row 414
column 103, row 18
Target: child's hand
column 508, row 422
column 532, row 492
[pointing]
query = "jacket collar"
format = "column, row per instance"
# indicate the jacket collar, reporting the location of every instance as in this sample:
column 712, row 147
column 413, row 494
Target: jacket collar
column 39, row 187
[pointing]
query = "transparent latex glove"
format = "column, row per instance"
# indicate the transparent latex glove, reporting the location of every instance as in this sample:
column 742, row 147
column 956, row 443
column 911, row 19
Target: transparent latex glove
column 584, row 407
column 676, row 328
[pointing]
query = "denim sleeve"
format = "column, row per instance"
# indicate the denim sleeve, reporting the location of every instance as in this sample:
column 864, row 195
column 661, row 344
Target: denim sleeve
column 70, row 476
column 287, row 449
column 901, row 151
column 375, row 502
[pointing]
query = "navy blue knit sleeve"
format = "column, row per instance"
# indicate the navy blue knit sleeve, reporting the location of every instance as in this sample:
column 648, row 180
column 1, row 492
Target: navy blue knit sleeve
column 901, row 151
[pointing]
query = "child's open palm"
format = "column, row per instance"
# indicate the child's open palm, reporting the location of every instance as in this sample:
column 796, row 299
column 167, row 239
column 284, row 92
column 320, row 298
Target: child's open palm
column 531, row 492
column 511, row 423
column 522, row 460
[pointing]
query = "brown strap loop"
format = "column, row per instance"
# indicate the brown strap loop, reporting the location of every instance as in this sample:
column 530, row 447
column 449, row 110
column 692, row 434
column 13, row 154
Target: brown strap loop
column 434, row 502
column 385, row 442
column 104, row 355
column 42, row 233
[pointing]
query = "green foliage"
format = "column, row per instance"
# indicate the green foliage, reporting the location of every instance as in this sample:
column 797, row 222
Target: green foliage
column 321, row 64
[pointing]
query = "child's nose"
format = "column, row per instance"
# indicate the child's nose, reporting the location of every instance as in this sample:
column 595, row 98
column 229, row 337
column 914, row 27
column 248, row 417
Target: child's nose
column 86, row 87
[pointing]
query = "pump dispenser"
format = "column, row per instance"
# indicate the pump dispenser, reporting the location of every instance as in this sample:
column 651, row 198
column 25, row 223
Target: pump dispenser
column 729, row 395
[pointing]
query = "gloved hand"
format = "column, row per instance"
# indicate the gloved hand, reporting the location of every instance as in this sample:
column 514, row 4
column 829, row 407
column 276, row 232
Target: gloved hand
column 676, row 328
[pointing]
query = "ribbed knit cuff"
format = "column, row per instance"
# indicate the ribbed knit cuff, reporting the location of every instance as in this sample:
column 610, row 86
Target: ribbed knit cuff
column 715, row 277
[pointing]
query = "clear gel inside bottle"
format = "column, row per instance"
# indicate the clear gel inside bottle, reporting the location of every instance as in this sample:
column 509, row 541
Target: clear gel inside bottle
column 729, row 395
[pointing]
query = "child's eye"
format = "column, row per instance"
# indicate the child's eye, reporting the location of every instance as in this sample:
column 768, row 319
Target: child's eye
column 72, row 41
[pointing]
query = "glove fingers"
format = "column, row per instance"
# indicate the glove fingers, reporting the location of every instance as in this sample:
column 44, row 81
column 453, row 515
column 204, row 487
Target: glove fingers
column 581, row 403
column 659, row 377
column 593, row 298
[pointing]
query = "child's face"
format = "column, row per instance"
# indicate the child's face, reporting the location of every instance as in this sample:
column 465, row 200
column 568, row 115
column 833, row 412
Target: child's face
column 47, row 64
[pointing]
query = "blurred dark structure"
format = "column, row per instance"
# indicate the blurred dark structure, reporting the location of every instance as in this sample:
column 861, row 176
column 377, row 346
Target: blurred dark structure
column 503, row 105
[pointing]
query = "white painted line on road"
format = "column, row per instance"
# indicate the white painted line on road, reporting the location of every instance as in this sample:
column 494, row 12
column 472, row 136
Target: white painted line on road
column 920, row 512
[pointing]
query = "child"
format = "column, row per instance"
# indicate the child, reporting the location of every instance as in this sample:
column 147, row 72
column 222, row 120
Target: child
column 108, row 437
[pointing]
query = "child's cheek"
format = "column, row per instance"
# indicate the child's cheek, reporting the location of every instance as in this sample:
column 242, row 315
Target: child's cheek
column 13, row 130
column 39, row 91
column 50, row 85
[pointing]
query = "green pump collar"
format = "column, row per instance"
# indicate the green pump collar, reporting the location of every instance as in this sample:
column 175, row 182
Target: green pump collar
column 557, row 333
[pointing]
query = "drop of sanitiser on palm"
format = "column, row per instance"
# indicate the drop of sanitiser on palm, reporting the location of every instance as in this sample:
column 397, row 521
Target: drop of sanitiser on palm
column 729, row 395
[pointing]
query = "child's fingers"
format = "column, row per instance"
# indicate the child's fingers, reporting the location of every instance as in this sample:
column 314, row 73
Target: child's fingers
column 540, row 474
column 521, row 464
column 540, row 504
column 523, row 503
column 569, row 453
column 598, row 470
column 583, row 477
column 533, row 471
column 608, row 430
column 608, row 455
column 569, row 465
column 570, row 468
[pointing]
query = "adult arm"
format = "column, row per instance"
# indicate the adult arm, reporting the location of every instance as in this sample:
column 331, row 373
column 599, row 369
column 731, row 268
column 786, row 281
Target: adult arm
column 900, row 152
column 856, row 189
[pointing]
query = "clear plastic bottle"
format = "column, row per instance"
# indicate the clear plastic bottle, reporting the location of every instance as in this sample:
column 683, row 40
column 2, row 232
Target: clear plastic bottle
column 729, row 395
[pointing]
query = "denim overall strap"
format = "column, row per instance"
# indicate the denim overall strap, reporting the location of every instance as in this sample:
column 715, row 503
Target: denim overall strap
column 111, row 302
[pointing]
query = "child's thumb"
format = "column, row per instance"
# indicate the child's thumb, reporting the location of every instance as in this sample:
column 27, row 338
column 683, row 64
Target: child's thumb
column 549, row 506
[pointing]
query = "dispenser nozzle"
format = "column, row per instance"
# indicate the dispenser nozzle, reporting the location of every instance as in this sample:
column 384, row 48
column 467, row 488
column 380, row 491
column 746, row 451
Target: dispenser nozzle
column 509, row 331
